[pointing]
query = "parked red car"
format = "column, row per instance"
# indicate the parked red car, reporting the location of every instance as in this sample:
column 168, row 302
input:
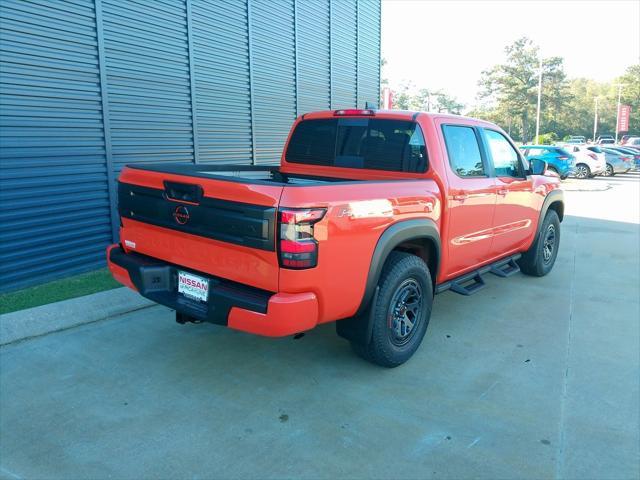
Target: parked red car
column 368, row 216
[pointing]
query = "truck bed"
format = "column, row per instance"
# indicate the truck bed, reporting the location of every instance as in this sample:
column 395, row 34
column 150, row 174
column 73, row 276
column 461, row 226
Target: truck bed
column 255, row 174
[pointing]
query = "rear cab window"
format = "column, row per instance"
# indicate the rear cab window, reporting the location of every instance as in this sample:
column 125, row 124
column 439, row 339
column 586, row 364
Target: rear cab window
column 365, row 143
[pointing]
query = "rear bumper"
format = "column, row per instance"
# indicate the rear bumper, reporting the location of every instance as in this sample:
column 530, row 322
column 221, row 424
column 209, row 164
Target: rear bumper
column 565, row 170
column 235, row 305
column 621, row 167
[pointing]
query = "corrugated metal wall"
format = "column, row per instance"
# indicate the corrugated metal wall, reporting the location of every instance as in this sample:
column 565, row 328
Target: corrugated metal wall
column 54, row 201
column 87, row 86
column 273, row 70
column 223, row 103
column 314, row 74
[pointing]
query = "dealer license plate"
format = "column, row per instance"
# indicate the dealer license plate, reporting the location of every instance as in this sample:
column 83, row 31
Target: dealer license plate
column 193, row 286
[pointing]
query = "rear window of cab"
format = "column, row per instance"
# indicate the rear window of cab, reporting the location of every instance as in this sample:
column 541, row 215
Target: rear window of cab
column 366, row 143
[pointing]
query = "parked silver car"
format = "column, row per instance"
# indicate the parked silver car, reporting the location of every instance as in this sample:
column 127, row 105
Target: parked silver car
column 617, row 162
column 633, row 152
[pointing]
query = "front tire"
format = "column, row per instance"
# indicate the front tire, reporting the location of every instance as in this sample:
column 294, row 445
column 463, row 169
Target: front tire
column 401, row 311
column 540, row 258
column 583, row 171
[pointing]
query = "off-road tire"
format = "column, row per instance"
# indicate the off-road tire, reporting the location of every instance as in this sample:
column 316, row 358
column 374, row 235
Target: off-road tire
column 538, row 261
column 401, row 271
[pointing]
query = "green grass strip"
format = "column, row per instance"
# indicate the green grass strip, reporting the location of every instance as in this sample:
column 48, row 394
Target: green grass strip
column 71, row 287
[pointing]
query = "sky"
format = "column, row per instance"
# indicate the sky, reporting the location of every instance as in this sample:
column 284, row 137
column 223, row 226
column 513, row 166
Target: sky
column 440, row 44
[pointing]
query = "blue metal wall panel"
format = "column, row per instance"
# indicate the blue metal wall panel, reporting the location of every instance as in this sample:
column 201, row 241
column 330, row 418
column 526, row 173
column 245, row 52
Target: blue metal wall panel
column 147, row 63
column 312, row 34
column 343, row 53
column 368, row 52
column 273, row 57
column 53, row 178
column 87, row 86
column 221, row 65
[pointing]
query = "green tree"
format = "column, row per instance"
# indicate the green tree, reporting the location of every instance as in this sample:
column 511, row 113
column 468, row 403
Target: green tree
column 403, row 98
column 425, row 100
column 577, row 117
column 512, row 87
column 447, row 104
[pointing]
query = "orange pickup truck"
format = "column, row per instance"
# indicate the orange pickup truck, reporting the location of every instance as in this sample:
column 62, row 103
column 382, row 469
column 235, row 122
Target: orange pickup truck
column 369, row 214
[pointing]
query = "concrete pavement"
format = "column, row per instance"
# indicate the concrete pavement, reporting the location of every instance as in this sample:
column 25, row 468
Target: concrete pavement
column 529, row 378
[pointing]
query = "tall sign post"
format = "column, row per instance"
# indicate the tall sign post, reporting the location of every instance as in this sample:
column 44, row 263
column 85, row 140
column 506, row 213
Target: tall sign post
column 595, row 121
column 539, row 98
column 620, row 85
column 387, row 98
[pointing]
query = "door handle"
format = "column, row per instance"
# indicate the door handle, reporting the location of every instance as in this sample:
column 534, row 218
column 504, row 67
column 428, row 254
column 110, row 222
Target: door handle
column 502, row 191
column 460, row 197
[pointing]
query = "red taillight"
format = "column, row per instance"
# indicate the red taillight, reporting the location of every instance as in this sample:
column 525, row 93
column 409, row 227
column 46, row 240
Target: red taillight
column 593, row 155
column 353, row 111
column 298, row 247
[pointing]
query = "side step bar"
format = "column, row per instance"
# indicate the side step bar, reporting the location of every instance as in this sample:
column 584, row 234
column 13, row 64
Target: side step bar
column 505, row 268
column 472, row 282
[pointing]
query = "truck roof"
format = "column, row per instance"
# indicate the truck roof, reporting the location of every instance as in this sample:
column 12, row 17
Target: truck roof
column 397, row 114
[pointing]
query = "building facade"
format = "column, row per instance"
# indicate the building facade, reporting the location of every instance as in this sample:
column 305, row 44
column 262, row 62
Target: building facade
column 88, row 86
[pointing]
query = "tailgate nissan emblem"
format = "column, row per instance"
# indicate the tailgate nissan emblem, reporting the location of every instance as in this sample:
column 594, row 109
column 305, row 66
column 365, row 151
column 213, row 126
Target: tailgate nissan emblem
column 181, row 214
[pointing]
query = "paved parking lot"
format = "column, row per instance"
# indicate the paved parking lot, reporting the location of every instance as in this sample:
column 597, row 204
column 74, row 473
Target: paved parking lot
column 530, row 378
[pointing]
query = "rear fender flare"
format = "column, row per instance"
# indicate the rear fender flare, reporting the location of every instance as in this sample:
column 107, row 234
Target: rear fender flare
column 403, row 231
column 359, row 327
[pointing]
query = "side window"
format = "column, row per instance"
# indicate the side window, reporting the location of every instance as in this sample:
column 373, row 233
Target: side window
column 505, row 158
column 463, row 150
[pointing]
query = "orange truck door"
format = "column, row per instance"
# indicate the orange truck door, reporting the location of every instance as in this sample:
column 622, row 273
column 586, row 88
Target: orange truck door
column 515, row 213
column 471, row 199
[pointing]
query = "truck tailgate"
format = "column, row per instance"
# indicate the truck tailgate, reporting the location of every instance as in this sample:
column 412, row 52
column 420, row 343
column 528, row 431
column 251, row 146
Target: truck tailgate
column 225, row 228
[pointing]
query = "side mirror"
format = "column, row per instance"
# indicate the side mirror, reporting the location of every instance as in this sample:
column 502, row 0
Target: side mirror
column 538, row 167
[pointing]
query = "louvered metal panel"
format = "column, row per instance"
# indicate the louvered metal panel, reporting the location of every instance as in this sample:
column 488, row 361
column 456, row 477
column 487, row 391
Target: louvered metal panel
column 343, row 53
column 54, row 199
column 273, row 75
column 221, row 64
column 312, row 34
column 87, row 86
column 368, row 52
column 149, row 93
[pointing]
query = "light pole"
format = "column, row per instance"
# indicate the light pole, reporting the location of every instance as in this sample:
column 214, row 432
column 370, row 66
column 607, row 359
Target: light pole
column 620, row 85
column 539, row 97
column 595, row 121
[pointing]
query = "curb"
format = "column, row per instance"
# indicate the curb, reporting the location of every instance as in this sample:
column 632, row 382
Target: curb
column 45, row 319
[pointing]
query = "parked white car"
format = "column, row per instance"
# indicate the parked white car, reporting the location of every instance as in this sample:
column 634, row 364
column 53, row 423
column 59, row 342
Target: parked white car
column 590, row 160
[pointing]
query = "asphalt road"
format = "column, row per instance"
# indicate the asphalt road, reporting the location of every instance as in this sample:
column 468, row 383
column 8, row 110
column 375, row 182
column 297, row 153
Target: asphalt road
column 529, row 378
